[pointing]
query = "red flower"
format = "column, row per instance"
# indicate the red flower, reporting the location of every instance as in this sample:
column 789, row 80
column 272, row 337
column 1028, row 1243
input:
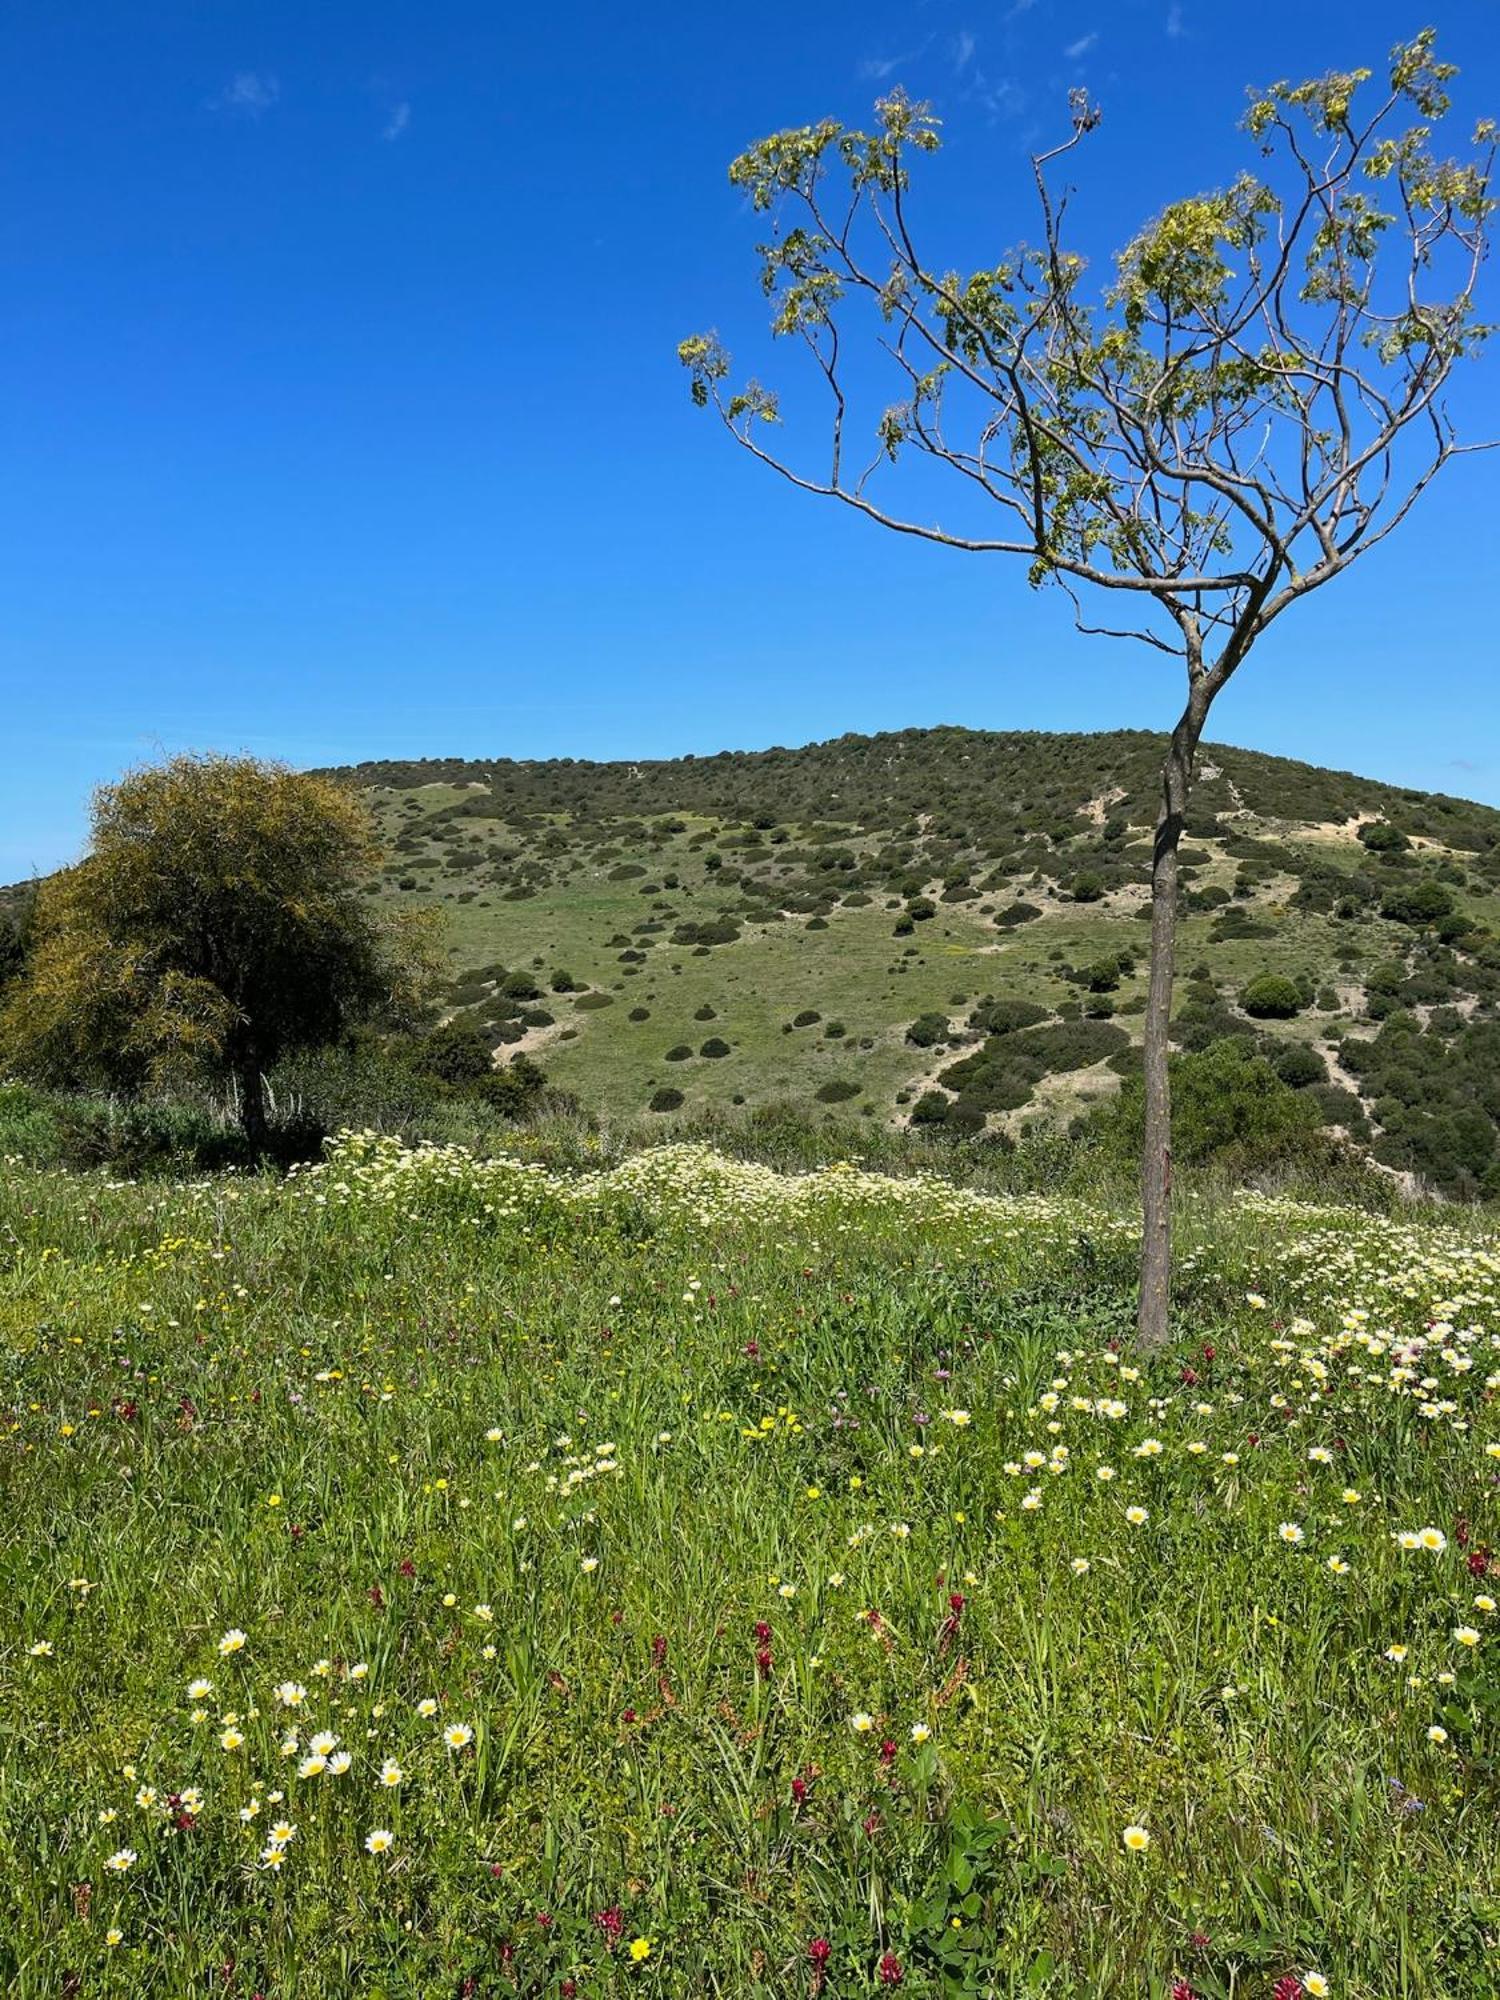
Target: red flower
column 956, row 1603
column 612, row 1923
column 889, row 1972
column 799, row 1791
column 820, row 1951
column 1182, row 1991
column 659, row 1651
column 568, row 1988
column 627, row 1715
column 1288, row 1987
column 1478, row 1562
column 377, row 1597
column 407, row 1568
column 765, row 1660
column 762, row 1631
column 1200, row 1940
column 888, row 1752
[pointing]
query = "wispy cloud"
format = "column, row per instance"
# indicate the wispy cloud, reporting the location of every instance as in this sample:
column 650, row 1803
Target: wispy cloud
column 1018, row 8
column 1081, row 47
column 875, row 69
column 397, row 123
column 1464, row 764
column 963, row 51
column 1174, row 22
column 250, row 92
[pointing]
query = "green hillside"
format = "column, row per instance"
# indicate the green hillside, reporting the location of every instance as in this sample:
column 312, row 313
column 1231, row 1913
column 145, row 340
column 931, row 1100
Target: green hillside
column 948, row 925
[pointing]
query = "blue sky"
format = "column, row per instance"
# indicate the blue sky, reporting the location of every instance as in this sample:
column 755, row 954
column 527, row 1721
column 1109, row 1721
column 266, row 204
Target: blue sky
column 343, row 416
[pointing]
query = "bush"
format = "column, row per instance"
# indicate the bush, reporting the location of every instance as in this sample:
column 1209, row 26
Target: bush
column 1228, row 1106
column 682, row 1053
column 1383, row 838
column 666, row 1099
column 928, row 1030
column 1087, row 888
column 590, row 1003
column 1271, row 997
column 808, row 1018
column 714, row 1047
column 931, row 1108
column 458, row 1053
column 836, row 1091
column 1417, row 904
column 1300, row 1066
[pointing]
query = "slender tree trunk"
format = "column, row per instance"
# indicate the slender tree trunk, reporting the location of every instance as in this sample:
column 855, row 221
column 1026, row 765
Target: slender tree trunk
column 252, row 1087
column 1156, row 1158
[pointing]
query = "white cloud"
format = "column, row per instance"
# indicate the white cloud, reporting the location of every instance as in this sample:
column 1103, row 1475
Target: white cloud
column 963, row 50
column 875, row 69
column 249, row 91
column 1081, row 47
column 398, row 121
column 1174, row 22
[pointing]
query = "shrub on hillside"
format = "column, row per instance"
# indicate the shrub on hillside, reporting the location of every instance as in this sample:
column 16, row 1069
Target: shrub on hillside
column 1228, row 1107
column 1271, row 997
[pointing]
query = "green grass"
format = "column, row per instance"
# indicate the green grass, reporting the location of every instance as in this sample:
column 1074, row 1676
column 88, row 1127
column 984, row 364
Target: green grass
column 638, row 1416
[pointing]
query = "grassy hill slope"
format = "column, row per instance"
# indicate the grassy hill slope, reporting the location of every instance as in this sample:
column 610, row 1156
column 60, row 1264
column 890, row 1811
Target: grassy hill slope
column 768, row 925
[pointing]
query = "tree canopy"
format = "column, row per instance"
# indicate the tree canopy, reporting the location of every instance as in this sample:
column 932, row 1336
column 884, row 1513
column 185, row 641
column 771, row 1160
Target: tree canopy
column 219, row 919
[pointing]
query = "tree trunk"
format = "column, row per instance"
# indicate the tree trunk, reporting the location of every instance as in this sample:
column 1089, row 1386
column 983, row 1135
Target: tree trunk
column 1156, row 1157
column 252, row 1088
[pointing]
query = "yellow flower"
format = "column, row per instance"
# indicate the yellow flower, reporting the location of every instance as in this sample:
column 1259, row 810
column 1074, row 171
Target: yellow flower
column 1466, row 1635
column 1290, row 1532
column 1316, row 1985
column 1136, row 1516
column 379, row 1840
column 114, row 1935
column 640, row 1948
column 458, row 1735
column 1136, row 1839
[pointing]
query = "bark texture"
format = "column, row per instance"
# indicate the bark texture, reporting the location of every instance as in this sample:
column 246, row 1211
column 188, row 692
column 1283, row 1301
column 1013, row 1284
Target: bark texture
column 1154, row 1303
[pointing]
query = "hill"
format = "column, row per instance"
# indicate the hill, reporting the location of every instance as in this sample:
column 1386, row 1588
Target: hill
column 947, row 925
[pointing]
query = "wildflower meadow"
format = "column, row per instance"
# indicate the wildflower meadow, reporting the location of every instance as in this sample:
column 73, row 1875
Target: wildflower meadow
column 426, row 1576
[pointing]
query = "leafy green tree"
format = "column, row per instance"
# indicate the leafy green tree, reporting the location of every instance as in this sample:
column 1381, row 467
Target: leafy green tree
column 218, row 921
column 1251, row 404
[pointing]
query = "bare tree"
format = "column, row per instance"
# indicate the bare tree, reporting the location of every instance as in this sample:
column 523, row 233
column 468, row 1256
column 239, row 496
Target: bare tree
column 1251, row 404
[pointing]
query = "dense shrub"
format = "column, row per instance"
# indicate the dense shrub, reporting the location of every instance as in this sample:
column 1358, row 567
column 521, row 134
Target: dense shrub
column 836, row 1091
column 666, row 1099
column 1228, row 1106
column 1271, row 997
column 928, row 1030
